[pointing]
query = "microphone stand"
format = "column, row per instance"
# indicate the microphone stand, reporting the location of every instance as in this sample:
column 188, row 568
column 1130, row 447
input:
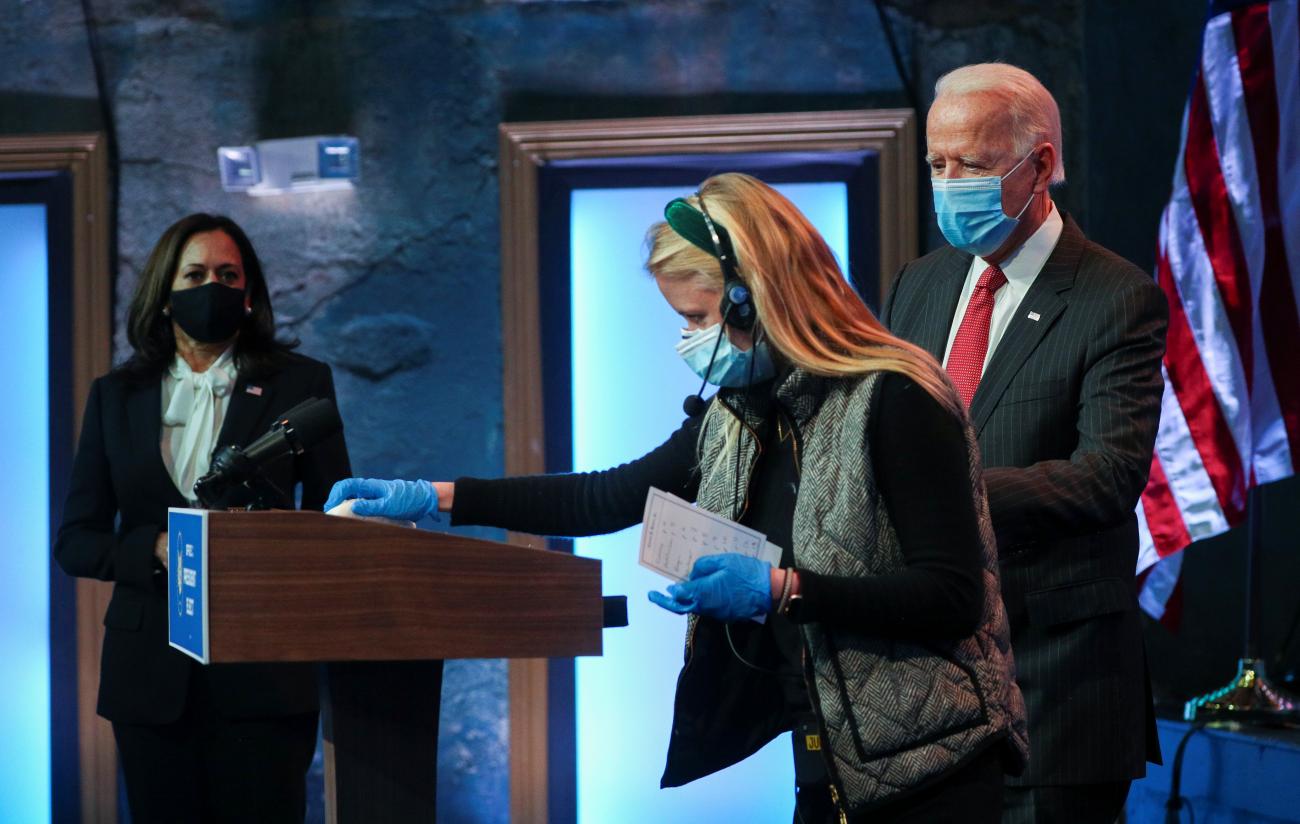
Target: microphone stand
column 261, row 492
column 241, row 468
column 264, row 493
column 1250, row 698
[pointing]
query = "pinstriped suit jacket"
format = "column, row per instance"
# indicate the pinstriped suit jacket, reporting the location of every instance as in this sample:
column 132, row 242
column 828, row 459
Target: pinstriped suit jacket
column 1066, row 415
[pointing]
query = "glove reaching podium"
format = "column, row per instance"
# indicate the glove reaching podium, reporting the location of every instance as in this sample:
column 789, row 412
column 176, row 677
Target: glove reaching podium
column 375, row 498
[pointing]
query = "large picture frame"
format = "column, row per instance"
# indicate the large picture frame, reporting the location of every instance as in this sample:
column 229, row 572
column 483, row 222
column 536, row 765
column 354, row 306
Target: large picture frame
column 525, row 150
column 81, row 158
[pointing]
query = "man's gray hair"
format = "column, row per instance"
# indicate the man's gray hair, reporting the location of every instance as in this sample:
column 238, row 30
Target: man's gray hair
column 1035, row 118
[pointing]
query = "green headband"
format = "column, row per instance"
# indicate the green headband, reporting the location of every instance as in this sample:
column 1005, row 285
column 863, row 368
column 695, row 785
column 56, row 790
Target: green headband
column 689, row 222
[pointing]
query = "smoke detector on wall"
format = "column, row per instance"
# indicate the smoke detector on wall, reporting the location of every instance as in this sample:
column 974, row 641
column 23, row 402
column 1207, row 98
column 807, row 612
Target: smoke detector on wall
column 297, row 164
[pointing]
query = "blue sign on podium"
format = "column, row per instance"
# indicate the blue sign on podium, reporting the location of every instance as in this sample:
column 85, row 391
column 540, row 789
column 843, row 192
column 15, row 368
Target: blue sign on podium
column 187, row 581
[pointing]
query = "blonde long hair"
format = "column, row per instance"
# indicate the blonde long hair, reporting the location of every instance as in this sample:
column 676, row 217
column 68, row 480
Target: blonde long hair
column 804, row 304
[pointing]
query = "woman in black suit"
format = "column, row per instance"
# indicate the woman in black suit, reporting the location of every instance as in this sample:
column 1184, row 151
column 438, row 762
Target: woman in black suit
column 226, row 742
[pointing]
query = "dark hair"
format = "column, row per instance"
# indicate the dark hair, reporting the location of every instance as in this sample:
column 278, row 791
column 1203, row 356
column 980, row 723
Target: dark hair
column 257, row 351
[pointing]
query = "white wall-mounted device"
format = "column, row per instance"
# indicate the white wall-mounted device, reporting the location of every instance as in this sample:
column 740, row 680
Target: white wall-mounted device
column 297, row 164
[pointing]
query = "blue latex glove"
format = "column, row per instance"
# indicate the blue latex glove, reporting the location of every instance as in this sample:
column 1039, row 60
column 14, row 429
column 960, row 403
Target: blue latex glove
column 399, row 500
column 727, row 587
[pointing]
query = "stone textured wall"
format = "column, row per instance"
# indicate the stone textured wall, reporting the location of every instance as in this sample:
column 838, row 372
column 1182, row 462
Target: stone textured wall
column 396, row 283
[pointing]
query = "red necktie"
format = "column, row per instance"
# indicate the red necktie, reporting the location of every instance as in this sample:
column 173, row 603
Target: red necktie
column 966, row 360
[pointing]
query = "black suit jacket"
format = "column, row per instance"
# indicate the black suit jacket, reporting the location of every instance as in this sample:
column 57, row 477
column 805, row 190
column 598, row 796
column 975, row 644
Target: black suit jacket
column 117, row 504
column 1066, row 415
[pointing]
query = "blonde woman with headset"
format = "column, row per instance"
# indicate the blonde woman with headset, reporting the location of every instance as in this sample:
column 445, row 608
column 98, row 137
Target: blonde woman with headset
column 885, row 642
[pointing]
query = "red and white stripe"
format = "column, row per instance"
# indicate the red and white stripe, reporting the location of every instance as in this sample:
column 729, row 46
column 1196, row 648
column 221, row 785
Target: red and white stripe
column 1229, row 263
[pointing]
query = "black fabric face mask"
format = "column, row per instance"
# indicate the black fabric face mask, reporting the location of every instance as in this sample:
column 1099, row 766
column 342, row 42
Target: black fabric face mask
column 210, row 313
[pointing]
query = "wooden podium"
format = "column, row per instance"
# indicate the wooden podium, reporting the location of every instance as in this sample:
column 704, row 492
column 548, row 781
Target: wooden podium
column 382, row 606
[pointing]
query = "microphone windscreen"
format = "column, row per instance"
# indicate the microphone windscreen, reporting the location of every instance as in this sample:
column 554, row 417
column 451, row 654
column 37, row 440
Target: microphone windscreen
column 313, row 421
column 694, row 405
column 288, row 415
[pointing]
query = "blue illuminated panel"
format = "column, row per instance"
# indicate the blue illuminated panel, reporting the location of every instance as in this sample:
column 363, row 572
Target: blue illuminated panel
column 628, row 386
column 24, row 489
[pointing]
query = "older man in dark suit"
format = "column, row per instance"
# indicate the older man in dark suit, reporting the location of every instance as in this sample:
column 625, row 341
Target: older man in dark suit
column 1055, row 345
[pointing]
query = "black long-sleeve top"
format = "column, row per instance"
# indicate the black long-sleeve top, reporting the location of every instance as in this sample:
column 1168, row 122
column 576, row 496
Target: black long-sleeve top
column 923, row 474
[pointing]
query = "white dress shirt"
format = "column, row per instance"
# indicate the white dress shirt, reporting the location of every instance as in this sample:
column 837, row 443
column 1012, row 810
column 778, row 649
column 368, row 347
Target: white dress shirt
column 193, row 408
column 1021, row 268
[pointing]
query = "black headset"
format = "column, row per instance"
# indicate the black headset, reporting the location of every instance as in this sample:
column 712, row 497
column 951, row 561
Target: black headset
column 697, row 226
column 737, row 307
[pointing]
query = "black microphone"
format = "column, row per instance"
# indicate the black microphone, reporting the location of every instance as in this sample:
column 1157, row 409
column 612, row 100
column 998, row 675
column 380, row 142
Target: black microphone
column 294, row 432
column 694, row 404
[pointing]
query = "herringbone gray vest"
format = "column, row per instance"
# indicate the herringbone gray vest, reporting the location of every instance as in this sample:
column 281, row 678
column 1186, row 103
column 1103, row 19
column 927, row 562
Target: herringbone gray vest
column 896, row 713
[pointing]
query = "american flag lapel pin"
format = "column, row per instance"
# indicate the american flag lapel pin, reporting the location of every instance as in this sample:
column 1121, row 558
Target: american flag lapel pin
column 1032, row 316
column 255, row 391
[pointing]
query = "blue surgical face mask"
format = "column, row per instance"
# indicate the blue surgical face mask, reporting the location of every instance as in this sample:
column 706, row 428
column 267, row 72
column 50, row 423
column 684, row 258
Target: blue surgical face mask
column 731, row 367
column 970, row 213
